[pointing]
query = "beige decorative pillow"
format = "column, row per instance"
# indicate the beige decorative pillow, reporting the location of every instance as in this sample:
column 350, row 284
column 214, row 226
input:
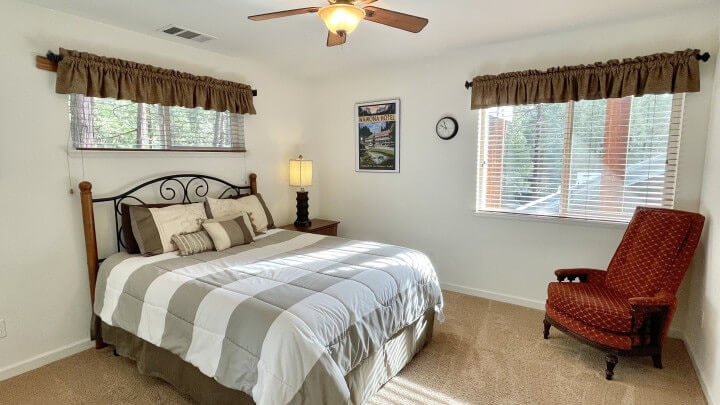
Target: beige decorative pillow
column 131, row 245
column 227, row 232
column 191, row 243
column 154, row 227
column 253, row 205
column 223, row 207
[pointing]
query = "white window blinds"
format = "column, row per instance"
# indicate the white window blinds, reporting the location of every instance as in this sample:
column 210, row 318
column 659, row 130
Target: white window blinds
column 107, row 123
column 595, row 159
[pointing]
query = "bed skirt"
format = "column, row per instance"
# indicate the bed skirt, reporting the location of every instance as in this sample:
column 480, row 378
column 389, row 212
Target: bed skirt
column 364, row 380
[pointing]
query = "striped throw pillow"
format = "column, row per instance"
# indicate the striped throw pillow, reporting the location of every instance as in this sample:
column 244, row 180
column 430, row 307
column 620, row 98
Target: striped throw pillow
column 227, row 232
column 191, row 243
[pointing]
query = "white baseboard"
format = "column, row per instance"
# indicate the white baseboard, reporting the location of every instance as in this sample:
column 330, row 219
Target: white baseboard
column 677, row 334
column 510, row 299
column 44, row 358
column 700, row 376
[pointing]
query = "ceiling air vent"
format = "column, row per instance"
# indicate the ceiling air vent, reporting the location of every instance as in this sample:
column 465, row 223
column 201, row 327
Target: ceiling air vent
column 174, row 30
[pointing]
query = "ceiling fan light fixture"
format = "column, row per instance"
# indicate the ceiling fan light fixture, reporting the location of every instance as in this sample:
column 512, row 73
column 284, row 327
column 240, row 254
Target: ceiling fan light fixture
column 341, row 17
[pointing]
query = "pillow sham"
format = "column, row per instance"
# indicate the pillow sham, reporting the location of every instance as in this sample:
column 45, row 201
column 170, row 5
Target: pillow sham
column 191, row 243
column 227, row 232
column 253, row 205
column 153, row 228
column 131, row 245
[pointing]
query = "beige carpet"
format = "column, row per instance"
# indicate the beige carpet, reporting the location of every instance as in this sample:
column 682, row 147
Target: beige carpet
column 485, row 353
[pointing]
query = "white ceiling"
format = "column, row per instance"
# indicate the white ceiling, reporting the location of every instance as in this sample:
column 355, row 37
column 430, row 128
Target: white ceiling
column 299, row 41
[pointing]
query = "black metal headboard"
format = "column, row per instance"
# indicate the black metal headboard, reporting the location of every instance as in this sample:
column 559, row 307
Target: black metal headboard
column 175, row 189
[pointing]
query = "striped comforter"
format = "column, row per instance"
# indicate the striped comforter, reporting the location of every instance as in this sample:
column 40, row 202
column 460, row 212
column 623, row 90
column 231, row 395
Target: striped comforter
column 283, row 319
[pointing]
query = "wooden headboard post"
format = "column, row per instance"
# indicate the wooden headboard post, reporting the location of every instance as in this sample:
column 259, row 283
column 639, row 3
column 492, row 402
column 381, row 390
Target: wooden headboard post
column 253, row 183
column 91, row 252
column 90, row 238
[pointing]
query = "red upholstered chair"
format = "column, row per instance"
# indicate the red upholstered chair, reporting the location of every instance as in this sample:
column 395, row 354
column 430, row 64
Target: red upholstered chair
column 627, row 309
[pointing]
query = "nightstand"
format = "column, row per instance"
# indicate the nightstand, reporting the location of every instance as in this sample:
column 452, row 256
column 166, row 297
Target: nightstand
column 319, row 226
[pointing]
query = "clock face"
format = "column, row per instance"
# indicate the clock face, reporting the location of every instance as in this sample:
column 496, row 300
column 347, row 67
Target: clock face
column 446, row 128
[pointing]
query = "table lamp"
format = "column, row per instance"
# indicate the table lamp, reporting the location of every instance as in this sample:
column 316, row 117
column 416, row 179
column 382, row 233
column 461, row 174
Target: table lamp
column 301, row 176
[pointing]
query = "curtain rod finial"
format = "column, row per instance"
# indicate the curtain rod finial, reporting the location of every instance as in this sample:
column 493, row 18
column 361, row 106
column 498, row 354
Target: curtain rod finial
column 468, row 84
column 53, row 57
column 703, row 56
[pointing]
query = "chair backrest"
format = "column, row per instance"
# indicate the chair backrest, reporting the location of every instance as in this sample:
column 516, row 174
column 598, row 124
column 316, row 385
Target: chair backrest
column 655, row 252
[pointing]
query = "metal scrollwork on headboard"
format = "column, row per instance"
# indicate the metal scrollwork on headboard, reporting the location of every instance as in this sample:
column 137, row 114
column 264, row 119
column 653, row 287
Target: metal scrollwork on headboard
column 174, row 189
column 186, row 188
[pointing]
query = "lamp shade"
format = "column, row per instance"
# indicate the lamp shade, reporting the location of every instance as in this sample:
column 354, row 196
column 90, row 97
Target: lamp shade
column 300, row 172
column 341, row 17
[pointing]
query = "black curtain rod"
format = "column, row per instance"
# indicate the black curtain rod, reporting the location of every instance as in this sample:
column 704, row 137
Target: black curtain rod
column 701, row 56
column 55, row 58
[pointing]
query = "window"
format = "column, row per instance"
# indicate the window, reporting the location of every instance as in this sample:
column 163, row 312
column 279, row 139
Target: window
column 107, row 123
column 591, row 159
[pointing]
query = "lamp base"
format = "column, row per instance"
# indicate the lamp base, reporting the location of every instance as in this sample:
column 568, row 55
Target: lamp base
column 302, row 210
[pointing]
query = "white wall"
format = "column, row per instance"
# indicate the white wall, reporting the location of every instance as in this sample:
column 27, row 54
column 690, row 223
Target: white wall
column 429, row 204
column 703, row 321
column 43, row 279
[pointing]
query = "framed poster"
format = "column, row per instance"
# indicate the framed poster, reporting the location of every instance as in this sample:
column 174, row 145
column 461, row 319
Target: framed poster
column 377, row 136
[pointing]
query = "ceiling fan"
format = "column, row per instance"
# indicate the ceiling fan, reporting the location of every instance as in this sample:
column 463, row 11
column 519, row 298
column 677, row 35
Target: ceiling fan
column 342, row 16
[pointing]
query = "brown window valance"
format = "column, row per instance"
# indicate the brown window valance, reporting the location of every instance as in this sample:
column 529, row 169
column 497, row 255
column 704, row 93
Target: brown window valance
column 660, row 73
column 97, row 76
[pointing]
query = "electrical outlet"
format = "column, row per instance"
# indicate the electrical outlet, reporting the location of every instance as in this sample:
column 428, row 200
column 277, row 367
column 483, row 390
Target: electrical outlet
column 3, row 331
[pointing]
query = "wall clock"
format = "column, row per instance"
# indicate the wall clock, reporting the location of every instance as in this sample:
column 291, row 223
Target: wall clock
column 446, row 128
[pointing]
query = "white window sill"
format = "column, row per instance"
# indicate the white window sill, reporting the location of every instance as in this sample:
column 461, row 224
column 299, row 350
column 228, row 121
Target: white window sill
column 549, row 219
column 154, row 154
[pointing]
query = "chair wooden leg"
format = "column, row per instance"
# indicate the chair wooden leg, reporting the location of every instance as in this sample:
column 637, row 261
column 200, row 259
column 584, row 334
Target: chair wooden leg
column 546, row 328
column 657, row 360
column 611, row 359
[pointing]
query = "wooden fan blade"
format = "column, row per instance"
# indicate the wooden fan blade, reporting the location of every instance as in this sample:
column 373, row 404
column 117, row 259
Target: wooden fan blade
column 335, row 39
column 285, row 13
column 394, row 19
column 365, row 1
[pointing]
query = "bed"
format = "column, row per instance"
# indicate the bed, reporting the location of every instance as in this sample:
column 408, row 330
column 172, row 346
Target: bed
column 274, row 317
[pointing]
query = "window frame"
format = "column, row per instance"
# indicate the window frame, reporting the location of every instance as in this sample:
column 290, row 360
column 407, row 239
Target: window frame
column 73, row 120
column 675, row 130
